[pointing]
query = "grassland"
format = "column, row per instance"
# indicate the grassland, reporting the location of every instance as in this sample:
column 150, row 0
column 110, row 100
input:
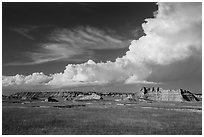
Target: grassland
column 100, row 119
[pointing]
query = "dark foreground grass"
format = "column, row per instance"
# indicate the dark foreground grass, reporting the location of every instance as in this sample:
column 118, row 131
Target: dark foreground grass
column 95, row 121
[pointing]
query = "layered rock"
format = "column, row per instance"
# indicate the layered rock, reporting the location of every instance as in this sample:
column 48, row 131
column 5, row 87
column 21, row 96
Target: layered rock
column 50, row 99
column 188, row 96
column 159, row 94
column 146, row 93
column 199, row 96
column 93, row 96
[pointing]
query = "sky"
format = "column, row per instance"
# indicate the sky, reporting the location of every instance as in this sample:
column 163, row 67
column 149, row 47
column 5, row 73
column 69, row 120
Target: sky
column 86, row 44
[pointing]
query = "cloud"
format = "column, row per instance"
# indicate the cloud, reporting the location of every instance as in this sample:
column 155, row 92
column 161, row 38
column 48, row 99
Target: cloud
column 133, row 80
column 173, row 35
column 33, row 79
column 97, row 73
column 25, row 31
column 70, row 44
column 89, row 37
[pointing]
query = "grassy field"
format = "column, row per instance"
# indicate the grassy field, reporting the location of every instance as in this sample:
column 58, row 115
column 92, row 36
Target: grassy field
column 98, row 121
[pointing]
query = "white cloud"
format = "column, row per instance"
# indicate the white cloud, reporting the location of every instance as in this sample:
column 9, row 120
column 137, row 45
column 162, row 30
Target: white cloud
column 100, row 73
column 67, row 44
column 88, row 37
column 134, row 80
column 173, row 35
column 25, row 30
column 33, row 79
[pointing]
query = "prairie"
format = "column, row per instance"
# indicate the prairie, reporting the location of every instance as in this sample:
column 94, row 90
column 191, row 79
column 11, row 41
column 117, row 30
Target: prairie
column 101, row 118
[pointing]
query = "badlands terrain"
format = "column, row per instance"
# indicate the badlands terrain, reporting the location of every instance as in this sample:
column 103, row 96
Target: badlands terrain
column 151, row 110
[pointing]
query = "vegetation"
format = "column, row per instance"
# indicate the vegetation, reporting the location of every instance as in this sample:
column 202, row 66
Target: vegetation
column 98, row 120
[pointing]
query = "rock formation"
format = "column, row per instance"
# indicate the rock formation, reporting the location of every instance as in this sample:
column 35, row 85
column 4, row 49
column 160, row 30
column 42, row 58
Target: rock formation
column 93, row 96
column 50, row 99
column 145, row 94
column 159, row 94
column 188, row 96
column 199, row 96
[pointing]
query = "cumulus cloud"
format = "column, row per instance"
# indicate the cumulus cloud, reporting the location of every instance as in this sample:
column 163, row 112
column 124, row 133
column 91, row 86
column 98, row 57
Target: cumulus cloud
column 98, row 73
column 33, row 79
column 173, row 35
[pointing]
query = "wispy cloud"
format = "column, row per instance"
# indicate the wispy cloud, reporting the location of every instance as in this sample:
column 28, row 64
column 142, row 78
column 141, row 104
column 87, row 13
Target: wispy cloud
column 88, row 37
column 170, row 37
column 68, row 44
column 25, row 31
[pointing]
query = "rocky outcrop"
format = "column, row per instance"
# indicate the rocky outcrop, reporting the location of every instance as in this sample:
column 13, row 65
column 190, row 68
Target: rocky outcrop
column 159, row 94
column 145, row 94
column 4, row 98
column 50, row 99
column 93, row 96
column 188, row 96
column 199, row 96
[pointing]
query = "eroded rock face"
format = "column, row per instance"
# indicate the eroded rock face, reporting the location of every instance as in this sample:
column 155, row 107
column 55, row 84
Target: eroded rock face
column 50, row 99
column 188, row 96
column 145, row 94
column 159, row 94
column 93, row 96
column 198, row 96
